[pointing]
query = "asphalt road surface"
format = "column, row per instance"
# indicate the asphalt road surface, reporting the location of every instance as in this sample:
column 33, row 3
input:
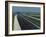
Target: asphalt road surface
column 25, row 23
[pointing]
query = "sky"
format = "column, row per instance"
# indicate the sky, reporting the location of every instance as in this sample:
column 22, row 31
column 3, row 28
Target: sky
column 16, row 9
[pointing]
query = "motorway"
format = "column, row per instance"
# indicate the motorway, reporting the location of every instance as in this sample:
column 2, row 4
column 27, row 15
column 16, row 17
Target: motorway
column 26, row 23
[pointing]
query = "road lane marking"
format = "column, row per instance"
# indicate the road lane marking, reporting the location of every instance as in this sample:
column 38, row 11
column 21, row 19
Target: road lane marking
column 16, row 24
column 31, row 22
column 32, row 17
column 35, row 23
column 36, row 15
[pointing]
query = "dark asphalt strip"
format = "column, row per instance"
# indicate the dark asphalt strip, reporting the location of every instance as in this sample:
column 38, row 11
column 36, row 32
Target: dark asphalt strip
column 29, row 20
column 25, row 25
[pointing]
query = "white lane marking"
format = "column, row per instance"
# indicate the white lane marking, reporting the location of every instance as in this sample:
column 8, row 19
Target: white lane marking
column 36, row 15
column 16, row 23
column 32, row 17
column 31, row 22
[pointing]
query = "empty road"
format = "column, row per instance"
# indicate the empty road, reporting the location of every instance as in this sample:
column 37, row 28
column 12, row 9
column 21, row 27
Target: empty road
column 26, row 23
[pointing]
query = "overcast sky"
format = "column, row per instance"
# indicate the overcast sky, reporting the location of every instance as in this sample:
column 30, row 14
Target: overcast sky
column 25, row 9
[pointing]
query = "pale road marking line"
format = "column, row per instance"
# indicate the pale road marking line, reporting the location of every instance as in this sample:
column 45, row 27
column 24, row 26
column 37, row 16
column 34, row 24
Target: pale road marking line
column 16, row 23
column 35, row 23
column 32, row 17
column 31, row 22
column 36, row 15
